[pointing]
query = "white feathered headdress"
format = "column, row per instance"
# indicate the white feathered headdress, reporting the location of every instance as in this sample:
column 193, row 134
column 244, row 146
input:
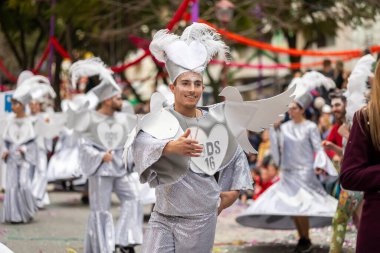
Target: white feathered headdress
column 357, row 86
column 33, row 88
column 308, row 82
column 191, row 51
column 92, row 67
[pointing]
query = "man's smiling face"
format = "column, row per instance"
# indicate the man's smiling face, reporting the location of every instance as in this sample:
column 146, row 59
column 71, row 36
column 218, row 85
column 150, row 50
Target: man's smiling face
column 187, row 89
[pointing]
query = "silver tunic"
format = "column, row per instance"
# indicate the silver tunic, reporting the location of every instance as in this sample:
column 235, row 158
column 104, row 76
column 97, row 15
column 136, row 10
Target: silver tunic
column 19, row 202
column 195, row 193
column 39, row 178
column 184, row 216
column 104, row 133
column 66, row 149
column 298, row 193
column 109, row 133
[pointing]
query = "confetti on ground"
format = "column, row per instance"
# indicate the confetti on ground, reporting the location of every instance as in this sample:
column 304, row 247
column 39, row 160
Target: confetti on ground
column 71, row 250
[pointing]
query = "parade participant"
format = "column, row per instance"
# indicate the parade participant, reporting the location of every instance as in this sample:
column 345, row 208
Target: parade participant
column 298, row 198
column 194, row 156
column 350, row 202
column 67, row 149
column 360, row 167
column 39, row 178
column 20, row 152
column 333, row 142
column 103, row 134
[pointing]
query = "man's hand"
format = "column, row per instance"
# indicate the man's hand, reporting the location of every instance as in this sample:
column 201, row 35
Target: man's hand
column 331, row 146
column 21, row 150
column 328, row 145
column 5, row 156
column 184, row 146
column 319, row 171
column 227, row 199
column 277, row 124
column 107, row 158
column 344, row 131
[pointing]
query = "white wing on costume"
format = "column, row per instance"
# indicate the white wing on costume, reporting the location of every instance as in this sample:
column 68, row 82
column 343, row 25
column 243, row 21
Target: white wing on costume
column 91, row 67
column 253, row 115
column 159, row 123
column 4, row 119
column 50, row 124
column 357, row 85
column 3, row 123
column 78, row 113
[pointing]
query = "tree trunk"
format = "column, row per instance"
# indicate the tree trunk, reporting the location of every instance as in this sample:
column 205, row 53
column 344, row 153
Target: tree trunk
column 10, row 41
column 292, row 42
column 24, row 63
column 36, row 47
column 57, row 82
column 215, row 84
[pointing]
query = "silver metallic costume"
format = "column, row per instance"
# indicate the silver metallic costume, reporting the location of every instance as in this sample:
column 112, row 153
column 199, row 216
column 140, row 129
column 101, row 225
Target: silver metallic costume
column 184, row 217
column 298, row 193
column 20, row 143
column 102, row 134
column 39, row 177
column 66, row 149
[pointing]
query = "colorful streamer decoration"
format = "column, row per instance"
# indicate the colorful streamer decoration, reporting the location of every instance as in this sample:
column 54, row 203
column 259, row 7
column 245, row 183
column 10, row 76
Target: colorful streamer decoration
column 276, row 66
column 290, row 51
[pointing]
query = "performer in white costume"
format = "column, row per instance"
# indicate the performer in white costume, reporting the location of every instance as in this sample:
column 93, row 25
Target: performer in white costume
column 298, row 200
column 67, row 148
column 20, row 152
column 39, row 177
column 194, row 156
column 104, row 132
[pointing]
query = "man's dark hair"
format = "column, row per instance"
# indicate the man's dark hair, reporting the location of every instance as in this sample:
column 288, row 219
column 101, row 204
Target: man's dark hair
column 327, row 63
column 337, row 94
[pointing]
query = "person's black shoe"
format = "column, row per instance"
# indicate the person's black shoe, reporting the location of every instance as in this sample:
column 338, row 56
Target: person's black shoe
column 85, row 200
column 303, row 246
column 127, row 249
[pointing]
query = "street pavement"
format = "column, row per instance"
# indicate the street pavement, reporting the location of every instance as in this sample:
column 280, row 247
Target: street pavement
column 60, row 228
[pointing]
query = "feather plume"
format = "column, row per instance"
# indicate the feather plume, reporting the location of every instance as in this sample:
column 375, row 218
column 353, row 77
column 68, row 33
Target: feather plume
column 309, row 81
column 161, row 39
column 37, row 86
column 36, row 79
column 209, row 37
column 23, row 76
column 357, row 86
column 314, row 79
column 91, row 67
column 42, row 90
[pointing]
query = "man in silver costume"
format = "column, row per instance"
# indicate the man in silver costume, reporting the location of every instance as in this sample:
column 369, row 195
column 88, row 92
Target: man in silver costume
column 103, row 135
column 188, row 196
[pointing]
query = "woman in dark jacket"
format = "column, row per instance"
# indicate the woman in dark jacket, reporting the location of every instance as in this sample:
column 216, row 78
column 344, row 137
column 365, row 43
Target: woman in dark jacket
column 361, row 168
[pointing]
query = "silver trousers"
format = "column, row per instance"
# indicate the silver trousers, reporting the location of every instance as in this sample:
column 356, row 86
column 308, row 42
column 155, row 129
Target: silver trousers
column 175, row 234
column 101, row 234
